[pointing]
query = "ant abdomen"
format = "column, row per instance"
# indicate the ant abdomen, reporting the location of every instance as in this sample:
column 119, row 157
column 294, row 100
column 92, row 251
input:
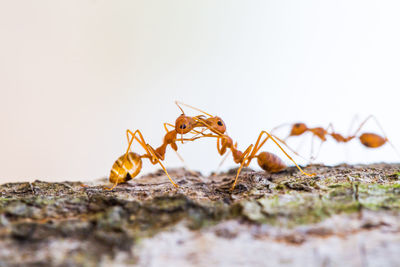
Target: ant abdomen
column 270, row 162
column 372, row 140
column 124, row 170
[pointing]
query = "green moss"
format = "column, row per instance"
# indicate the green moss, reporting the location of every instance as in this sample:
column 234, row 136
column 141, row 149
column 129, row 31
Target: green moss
column 294, row 207
column 44, row 201
column 339, row 185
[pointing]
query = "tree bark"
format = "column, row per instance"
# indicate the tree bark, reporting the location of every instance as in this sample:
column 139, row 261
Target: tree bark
column 344, row 216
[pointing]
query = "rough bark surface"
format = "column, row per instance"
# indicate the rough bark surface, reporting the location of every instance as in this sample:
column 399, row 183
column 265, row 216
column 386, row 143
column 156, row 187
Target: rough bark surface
column 345, row 215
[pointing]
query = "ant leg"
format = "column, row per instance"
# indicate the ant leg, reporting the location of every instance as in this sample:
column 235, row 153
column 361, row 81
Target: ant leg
column 181, row 158
column 384, row 134
column 198, row 137
column 354, row 120
column 288, row 147
column 152, row 152
column 312, row 158
column 198, row 134
column 219, row 146
column 394, row 148
column 140, row 140
column 319, row 150
column 223, row 146
column 287, row 155
column 167, row 124
column 243, row 159
column 184, row 164
column 128, row 134
column 154, row 158
column 223, row 160
column 225, row 157
column 376, row 121
column 365, row 121
column 301, row 144
column 258, row 145
column 312, row 150
column 112, row 187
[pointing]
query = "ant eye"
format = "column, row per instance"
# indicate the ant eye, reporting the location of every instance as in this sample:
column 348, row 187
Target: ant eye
column 183, row 126
column 219, row 123
column 297, row 125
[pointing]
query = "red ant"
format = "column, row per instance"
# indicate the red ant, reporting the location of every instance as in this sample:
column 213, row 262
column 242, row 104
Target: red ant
column 129, row 165
column 370, row 140
column 266, row 160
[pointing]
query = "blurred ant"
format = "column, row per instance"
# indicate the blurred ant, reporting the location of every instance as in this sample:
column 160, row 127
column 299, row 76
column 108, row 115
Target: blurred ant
column 370, row 140
column 301, row 128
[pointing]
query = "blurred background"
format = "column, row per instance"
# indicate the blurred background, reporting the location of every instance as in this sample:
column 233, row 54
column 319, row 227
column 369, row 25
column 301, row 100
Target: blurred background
column 74, row 75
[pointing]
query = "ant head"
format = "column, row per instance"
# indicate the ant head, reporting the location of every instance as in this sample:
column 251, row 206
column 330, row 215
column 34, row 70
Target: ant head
column 216, row 125
column 184, row 124
column 298, row 129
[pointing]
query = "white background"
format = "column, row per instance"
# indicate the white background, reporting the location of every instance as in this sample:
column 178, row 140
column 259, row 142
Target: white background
column 74, row 75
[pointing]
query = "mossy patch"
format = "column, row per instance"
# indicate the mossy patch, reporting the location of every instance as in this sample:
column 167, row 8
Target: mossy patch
column 293, row 208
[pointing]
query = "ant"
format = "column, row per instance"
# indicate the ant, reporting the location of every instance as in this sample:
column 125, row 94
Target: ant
column 301, row 128
column 127, row 166
column 367, row 139
column 370, row 140
column 266, row 160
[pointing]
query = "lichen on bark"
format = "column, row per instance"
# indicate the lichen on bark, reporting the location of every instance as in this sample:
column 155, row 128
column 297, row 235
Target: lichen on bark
column 62, row 224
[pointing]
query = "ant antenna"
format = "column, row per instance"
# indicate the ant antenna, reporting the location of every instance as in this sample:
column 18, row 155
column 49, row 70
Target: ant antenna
column 353, row 121
column 365, row 121
column 189, row 106
column 176, row 102
column 280, row 126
